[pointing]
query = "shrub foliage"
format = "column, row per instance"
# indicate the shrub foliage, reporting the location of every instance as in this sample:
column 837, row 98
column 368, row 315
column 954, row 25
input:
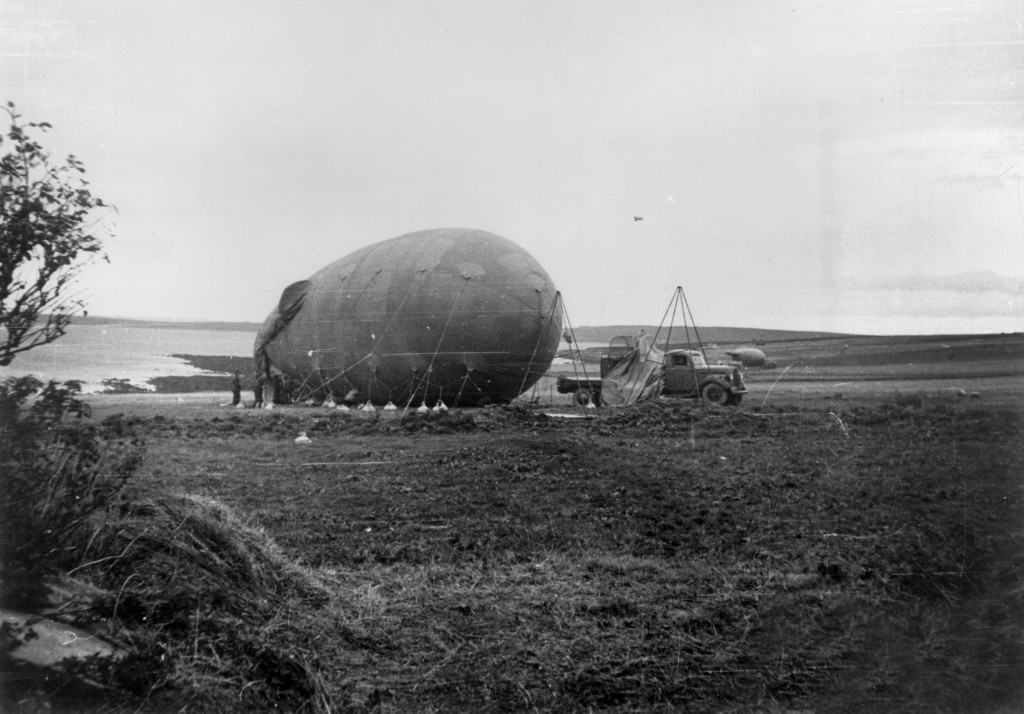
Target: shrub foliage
column 46, row 237
column 56, row 472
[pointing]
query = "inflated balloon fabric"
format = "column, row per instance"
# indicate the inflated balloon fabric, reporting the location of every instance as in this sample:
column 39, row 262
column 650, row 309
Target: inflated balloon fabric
column 455, row 315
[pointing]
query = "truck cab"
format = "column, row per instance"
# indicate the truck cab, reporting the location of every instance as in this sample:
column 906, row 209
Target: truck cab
column 687, row 374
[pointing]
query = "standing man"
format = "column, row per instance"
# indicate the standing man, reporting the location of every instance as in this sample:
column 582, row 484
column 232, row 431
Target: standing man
column 236, row 389
column 277, row 389
column 257, row 391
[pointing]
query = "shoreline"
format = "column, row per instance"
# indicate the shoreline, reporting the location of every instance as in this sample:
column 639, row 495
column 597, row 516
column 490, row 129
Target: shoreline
column 215, row 377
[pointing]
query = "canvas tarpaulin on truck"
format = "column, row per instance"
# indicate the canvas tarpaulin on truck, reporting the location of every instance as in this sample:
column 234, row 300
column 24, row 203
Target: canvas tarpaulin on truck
column 637, row 377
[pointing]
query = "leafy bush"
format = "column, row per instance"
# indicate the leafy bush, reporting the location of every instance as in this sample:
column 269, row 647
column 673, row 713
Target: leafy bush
column 56, row 472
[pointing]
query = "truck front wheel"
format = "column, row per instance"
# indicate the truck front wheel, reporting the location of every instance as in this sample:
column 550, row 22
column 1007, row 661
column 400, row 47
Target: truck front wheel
column 583, row 396
column 715, row 393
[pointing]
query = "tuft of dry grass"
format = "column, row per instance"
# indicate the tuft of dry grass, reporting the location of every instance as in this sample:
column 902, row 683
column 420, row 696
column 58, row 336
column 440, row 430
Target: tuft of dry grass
column 215, row 614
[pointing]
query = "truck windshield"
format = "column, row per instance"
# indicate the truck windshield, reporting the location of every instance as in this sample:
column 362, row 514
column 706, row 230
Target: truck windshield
column 687, row 359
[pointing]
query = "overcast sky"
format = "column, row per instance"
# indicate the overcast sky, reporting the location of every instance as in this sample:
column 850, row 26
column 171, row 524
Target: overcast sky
column 852, row 166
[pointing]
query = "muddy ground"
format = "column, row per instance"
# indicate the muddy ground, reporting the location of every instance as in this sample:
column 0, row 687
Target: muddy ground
column 851, row 538
column 807, row 551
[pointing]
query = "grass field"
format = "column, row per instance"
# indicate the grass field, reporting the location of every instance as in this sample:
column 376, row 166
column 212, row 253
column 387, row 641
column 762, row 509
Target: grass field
column 829, row 546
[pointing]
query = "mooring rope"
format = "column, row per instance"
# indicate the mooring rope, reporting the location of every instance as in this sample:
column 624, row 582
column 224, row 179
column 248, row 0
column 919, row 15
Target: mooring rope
column 437, row 348
column 376, row 343
column 579, row 353
column 536, row 346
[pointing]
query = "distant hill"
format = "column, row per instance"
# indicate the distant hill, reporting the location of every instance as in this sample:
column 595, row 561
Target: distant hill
column 168, row 324
column 587, row 333
column 728, row 335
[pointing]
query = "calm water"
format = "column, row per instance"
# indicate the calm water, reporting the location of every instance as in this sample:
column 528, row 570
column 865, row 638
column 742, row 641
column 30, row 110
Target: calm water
column 92, row 353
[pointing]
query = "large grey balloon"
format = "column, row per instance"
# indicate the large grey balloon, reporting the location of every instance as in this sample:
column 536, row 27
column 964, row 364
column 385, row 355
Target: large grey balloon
column 451, row 314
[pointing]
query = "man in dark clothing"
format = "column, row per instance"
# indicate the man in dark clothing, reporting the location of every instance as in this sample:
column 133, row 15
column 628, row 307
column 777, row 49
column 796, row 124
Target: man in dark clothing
column 257, row 391
column 236, row 390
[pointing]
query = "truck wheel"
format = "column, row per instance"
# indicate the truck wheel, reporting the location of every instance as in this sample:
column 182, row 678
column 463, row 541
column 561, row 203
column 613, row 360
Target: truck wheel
column 715, row 393
column 735, row 400
column 582, row 396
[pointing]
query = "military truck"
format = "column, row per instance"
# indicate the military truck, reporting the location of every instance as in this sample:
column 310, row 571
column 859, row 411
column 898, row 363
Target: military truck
column 686, row 373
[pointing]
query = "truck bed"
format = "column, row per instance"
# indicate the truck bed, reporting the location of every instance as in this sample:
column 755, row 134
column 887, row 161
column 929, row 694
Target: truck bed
column 569, row 385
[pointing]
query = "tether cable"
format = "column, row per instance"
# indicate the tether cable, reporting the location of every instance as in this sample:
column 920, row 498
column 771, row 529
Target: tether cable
column 437, row 348
column 383, row 333
column 540, row 336
column 579, row 353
